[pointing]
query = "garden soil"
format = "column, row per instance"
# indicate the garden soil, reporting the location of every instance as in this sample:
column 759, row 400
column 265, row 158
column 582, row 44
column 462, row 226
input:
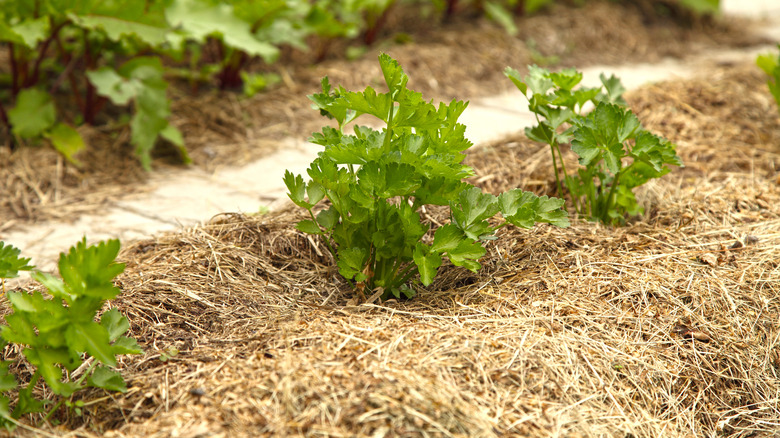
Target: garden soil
column 667, row 326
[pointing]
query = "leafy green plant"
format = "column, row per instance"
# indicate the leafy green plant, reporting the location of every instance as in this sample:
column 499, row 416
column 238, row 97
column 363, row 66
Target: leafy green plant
column 55, row 44
column 69, row 349
column 11, row 263
column 770, row 64
column 618, row 155
column 378, row 182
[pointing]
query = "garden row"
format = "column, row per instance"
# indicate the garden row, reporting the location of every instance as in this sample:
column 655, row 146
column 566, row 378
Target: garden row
column 70, row 61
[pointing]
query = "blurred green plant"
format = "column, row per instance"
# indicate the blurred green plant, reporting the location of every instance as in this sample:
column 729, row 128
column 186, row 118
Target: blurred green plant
column 616, row 153
column 60, row 335
column 770, row 64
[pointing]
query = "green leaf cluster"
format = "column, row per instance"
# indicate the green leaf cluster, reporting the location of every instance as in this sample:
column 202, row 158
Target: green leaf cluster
column 60, row 330
column 377, row 183
column 616, row 153
column 770, row 64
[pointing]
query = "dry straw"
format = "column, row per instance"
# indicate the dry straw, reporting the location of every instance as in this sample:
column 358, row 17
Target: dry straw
column 666, row 327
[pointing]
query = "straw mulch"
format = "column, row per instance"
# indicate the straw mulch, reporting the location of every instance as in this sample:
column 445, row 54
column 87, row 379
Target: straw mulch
column 665, row 327
column 460, row 59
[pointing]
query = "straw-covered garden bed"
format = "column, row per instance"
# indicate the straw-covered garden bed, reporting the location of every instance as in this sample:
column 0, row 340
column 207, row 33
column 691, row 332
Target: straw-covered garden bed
column 669, row 326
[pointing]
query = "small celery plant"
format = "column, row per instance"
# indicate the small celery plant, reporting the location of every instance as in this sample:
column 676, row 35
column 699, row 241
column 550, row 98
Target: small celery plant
column 616, row 152
column 770, row 64
column 378, row 181
column 59, row 332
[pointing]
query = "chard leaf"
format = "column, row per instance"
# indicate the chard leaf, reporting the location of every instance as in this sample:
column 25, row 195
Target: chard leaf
column 67, row 141
column 200, row 19
column 117, row 28
column 33, row 114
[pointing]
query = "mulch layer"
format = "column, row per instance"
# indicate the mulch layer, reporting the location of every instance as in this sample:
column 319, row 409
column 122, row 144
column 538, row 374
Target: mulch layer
column 461, row 59
column 668, row 326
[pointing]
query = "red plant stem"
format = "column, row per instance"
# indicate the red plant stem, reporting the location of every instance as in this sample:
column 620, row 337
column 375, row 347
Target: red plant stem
column 90, row 97
column 520, row 8
column 68, row 59
column 4, row 119
column 452, row 5
column 14, row 71
column 373, row 31
column 33, row 78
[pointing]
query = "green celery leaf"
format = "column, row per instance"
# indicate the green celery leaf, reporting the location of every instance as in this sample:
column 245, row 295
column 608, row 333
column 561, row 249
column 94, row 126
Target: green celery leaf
column 33, row 114
column 367, row 102
column 297, row 189
column 447, row 238
column 10, row 262
column 538, row 80
column 471, row 211
column 55, row 286
column 7, row 379
column 655, row 151
column 328, row 218
column 92, row 338
column 27, row 403
column 438, row 190
column 47, row 360
column 20, row 329
column 316, row 192
column 427, row 263
column 67, row 141
column 308, row 226
column 566, row 79
column 467, row 254
column 615, row 89
column 395, row 78
column 90, row 270
column 125, row 345
column 107, row 379
column 524, row 209
column 516, row 79
column 351, row 262
column 768, row 62
column 115, row 324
